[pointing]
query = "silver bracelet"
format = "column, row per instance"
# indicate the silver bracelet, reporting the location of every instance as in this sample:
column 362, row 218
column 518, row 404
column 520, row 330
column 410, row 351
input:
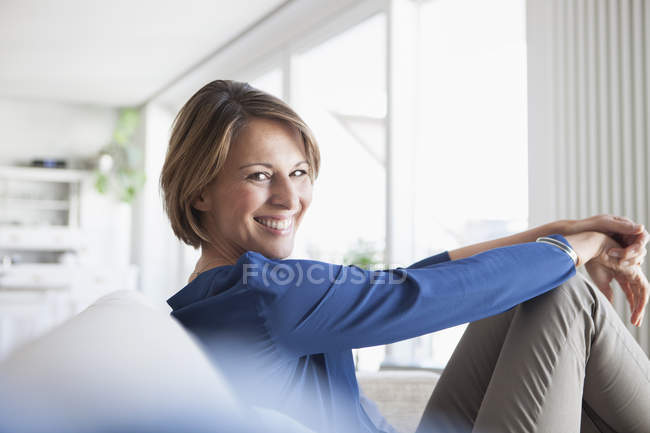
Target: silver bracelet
column 561, row 245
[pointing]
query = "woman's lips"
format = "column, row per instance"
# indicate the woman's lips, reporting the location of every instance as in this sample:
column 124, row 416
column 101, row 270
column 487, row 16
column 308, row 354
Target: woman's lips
column 274, row 230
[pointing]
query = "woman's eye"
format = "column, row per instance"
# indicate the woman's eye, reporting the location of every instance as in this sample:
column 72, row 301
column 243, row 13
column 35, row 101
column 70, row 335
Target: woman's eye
column 261, row 176
column 258, row 176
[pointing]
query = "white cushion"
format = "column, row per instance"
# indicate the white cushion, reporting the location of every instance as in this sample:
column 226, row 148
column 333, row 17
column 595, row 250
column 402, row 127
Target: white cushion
column 119, row 365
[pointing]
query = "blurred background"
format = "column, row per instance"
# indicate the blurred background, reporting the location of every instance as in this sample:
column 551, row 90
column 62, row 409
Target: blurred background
column 441, row 123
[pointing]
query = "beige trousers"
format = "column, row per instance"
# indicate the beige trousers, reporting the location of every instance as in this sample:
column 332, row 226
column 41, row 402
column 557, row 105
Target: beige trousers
column 562, row 362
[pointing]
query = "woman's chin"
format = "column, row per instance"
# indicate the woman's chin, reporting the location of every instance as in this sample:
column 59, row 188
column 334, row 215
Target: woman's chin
column 278, row 252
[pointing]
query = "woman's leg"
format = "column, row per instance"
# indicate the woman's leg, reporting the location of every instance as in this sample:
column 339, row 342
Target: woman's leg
column 524, row 370
column 459, row 392
column 617, row 376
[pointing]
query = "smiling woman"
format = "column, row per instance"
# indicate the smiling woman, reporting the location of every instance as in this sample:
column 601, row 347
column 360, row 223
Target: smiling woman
column 544, row 350
column 250, row 151
column 266, row 200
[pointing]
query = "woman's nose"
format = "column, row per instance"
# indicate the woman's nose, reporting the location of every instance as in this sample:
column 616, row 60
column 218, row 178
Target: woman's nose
column 284, row 193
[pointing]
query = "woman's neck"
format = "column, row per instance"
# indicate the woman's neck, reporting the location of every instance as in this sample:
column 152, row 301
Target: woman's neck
column 211, row 258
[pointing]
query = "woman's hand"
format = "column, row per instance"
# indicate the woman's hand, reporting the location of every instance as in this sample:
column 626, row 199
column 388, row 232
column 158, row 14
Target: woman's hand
column 592, row 248
column 632, row 237
column 631, row 279
column 589, row 245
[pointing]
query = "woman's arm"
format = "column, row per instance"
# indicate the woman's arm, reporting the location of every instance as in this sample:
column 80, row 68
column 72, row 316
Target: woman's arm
column 530, row 235
column 630, row 235
column 617, row 259
column 317, row 307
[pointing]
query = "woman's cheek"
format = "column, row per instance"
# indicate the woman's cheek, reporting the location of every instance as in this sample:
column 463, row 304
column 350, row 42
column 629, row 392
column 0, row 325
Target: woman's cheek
column 246, row 202
column 306, row 193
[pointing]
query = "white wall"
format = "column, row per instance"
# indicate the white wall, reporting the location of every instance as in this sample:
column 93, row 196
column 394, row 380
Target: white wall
column 156, row 251
column 35, row 129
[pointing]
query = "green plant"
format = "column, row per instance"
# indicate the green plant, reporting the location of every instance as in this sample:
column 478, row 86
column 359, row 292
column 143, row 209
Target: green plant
column 364, row 255
column 118, row 163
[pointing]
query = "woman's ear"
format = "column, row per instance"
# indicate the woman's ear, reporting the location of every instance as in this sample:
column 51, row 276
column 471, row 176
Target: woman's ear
column 201, row 201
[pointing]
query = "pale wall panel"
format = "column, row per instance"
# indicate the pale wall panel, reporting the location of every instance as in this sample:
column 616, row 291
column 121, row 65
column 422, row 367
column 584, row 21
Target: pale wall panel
column 592, row 123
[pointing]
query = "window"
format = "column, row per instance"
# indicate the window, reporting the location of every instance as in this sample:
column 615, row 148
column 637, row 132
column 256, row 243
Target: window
column 339, row 88
column 470, row 147
column 471, row 161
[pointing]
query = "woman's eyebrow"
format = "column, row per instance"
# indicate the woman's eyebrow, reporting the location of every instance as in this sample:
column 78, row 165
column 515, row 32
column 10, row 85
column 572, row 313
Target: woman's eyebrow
column 265, row 164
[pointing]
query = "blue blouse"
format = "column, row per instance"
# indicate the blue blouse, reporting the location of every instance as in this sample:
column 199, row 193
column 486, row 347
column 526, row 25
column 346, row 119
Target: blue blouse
column 282, row 330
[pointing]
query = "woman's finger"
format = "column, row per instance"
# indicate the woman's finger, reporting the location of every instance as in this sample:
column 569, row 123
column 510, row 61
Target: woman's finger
column 632, row 256
column 629, row 295
column 618, row 224
column 605, row 223
column 630, row 252
column 632, row 261
column 640, row 239
column 643, row 294
column 630, row 246
column 639, row 286
column 636, row 313
column 640, row 258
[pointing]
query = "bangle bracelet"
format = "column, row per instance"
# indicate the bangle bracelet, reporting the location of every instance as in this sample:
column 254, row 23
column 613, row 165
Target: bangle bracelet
column 561, row 245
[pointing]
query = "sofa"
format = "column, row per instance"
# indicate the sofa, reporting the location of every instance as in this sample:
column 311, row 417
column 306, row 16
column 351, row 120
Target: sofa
column 125, row 365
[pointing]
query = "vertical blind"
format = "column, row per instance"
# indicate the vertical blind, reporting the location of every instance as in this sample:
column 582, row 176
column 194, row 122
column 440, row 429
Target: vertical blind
column 597, row 64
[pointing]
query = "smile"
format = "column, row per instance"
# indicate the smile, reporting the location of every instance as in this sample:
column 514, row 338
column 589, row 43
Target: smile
column 276, row 226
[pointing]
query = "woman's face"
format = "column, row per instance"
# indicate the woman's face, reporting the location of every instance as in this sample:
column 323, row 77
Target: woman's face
column 260, row 196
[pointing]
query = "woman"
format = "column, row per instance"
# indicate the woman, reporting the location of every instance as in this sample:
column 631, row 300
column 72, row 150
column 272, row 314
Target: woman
column 237, row 181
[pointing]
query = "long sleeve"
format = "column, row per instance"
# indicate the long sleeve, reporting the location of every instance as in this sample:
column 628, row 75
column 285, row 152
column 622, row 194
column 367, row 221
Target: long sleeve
column 430, row 261
column 315, row 307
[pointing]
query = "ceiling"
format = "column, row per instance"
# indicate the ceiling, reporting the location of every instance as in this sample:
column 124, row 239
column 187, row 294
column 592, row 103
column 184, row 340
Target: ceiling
column 112, row 53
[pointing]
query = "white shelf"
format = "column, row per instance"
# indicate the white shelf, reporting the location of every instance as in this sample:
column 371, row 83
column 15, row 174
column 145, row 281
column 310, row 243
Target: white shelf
column 61, row 248
column 35, row 196
column 35, row 204
column 41, row 238
column 43, row 174
column 37, row 276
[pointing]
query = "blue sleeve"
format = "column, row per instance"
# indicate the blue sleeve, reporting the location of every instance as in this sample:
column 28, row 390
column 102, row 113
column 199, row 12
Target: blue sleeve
column 430, row 261
column 315, row 307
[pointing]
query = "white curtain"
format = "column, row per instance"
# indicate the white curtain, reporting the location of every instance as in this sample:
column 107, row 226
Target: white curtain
column 589, row 113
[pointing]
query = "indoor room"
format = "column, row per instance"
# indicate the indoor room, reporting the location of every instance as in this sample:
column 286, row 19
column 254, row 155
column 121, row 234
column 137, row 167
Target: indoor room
column 457, row 154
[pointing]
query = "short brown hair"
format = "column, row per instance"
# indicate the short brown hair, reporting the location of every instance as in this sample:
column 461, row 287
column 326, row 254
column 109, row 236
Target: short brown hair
column 202, row 134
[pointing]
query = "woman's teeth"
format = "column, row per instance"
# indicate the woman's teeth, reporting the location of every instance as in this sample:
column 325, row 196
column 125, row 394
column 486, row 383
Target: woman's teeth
column 275, row 224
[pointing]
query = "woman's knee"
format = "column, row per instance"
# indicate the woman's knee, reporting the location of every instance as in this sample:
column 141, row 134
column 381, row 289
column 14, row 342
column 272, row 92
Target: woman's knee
column 574, row 296
column 585, row 291
column 578, row 297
